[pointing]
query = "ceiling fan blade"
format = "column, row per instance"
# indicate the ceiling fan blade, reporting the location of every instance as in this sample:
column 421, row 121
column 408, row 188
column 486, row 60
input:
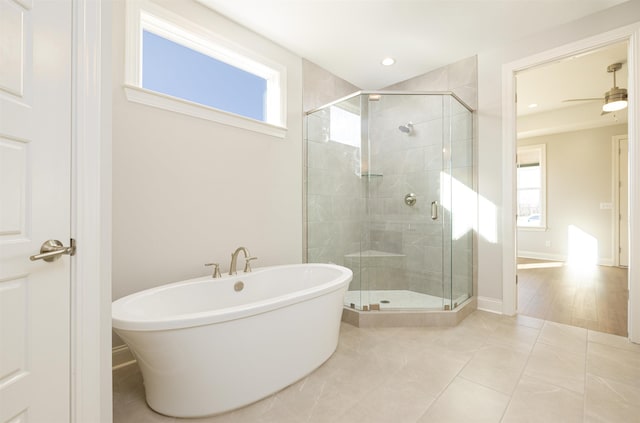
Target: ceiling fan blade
column 582, row 99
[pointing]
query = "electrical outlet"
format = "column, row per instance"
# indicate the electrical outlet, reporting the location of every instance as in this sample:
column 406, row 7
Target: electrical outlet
column 606, row 206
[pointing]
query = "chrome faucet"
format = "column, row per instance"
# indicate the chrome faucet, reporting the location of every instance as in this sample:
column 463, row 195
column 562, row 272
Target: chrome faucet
column 234, row 259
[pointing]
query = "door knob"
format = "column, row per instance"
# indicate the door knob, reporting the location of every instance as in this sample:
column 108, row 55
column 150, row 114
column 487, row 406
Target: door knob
column 52, row 249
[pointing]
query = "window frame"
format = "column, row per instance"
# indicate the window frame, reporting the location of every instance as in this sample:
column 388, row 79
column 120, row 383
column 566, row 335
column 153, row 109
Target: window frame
column 145, row 15
column 542, row 154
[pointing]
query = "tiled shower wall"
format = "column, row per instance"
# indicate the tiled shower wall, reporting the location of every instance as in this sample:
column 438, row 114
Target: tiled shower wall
column 335, row 201
column 335, row 204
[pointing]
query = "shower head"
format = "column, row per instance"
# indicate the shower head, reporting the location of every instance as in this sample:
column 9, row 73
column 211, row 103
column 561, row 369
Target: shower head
column 407, row 129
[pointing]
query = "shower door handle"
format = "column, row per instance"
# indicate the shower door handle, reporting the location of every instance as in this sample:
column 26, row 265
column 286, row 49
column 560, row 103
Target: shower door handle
column 434, row 210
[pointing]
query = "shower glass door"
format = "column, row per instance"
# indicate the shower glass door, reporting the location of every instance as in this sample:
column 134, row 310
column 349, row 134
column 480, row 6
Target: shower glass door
column 460, row 202
column 405, row 254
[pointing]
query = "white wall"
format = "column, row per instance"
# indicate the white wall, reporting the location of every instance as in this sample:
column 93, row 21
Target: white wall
column 490, row 160
column 579, row 174
column 188, row 191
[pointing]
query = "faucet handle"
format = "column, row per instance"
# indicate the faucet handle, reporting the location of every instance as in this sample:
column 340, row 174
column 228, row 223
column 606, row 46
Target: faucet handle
column 247, row 264
column 216, row 269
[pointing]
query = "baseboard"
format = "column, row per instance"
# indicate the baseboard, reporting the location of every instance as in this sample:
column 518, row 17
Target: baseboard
column 559, row 257
column 121, row 357
column 541, row 256
column 491, row 305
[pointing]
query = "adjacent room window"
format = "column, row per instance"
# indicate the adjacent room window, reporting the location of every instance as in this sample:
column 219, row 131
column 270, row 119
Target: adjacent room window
column 177, row 65
column 531, row 186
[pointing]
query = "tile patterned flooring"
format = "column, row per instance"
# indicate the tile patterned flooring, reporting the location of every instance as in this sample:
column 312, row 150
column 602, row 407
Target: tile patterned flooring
column 489, row 368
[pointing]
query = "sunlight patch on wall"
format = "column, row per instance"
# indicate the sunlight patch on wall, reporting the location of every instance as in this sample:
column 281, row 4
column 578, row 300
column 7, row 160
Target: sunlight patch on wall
column 469, row 210
column 583, row 247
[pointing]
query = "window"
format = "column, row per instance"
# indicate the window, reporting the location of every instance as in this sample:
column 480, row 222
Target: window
column 344, row 126
column 173, row 69
column 174, row 64
column 531, row 181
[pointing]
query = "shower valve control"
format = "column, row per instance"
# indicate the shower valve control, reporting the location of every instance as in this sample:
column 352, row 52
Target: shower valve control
column 410, row 199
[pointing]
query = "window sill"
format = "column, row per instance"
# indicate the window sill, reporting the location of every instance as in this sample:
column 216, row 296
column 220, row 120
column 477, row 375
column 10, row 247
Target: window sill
column 189, row 108
column 532, row 228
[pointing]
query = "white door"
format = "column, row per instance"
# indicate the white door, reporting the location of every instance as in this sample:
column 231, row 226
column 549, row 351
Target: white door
column 623, row 206
column 35, row 153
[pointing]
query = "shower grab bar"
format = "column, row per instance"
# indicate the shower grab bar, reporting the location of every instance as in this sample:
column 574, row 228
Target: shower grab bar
column 434, row 210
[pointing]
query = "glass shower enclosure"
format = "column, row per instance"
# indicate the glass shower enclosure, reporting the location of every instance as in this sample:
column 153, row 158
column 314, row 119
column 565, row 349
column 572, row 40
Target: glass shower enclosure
column 389, row 193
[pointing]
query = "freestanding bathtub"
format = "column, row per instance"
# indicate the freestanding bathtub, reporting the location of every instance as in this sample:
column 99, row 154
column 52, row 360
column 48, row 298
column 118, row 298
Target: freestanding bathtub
column 206, row 346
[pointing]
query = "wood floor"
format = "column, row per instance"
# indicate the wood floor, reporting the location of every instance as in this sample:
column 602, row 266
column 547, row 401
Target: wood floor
column 591, row 297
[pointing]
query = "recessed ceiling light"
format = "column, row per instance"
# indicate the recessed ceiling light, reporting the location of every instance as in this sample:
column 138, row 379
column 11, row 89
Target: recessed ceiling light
column 388, row 61
column 533, row 105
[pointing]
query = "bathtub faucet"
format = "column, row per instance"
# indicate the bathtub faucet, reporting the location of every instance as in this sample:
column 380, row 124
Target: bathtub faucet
column 247, row 260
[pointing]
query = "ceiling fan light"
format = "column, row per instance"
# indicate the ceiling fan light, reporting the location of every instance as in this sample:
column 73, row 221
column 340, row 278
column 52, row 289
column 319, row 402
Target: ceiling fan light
column 615, row 99
column 614, row 106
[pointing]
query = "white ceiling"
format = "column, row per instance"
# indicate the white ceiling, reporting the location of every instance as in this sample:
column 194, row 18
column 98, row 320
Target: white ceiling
column 350, row 37
column 581, row 76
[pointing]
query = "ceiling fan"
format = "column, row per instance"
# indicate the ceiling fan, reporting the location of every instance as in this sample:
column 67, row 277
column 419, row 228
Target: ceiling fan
column 615, row 99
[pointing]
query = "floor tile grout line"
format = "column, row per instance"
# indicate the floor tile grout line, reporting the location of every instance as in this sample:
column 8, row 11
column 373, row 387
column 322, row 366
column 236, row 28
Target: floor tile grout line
column 522, row 371
column 435, row 400
column 459, row 375
column 586, row 365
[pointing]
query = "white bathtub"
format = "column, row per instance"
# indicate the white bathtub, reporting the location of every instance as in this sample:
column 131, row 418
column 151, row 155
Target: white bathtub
column 204, row 348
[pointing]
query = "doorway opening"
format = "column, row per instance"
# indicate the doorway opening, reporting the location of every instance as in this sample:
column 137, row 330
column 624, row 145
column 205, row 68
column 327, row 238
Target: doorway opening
column 630, row 35
column 567, row 191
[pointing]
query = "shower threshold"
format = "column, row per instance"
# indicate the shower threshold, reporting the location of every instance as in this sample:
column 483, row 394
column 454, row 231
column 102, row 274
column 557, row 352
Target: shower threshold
column 398, row 308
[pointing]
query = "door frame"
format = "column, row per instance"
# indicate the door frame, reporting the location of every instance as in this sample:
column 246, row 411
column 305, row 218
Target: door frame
column 615, row 190
column 91, row 387
column 631, row 34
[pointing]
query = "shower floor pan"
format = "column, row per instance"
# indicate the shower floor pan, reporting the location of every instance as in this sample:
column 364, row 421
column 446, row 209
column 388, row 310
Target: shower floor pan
column 393, row 299
column 403, row 308
column 396, row 299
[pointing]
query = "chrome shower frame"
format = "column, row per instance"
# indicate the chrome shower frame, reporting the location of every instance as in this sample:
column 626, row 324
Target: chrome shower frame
column 410, row 317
